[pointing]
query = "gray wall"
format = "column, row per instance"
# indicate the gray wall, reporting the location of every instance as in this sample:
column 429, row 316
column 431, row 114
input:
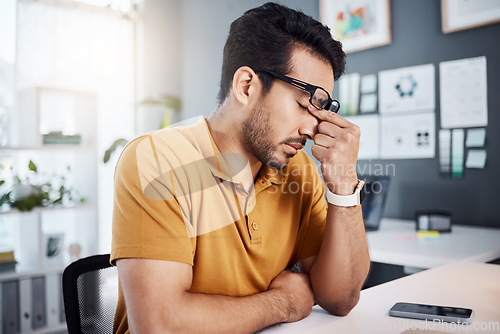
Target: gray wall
column 417, row 39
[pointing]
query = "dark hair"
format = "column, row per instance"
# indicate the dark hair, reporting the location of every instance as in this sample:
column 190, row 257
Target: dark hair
column 264, row 38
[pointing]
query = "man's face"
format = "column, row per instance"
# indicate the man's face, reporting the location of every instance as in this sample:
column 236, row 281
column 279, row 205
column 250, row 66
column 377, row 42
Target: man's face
column 280, row 123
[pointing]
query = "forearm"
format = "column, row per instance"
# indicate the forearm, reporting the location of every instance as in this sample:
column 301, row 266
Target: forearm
column 343, row 262
column 221, row 314
column 158, row 300
column 198, row 312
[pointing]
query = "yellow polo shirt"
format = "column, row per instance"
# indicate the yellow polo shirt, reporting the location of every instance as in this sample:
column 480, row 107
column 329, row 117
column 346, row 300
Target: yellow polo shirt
column 178, row 198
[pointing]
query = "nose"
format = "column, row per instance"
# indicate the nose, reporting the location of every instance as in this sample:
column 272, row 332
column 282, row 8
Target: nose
column 309, row 125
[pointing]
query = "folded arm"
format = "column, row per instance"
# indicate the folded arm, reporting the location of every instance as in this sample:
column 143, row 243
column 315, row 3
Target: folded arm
column 158, row 301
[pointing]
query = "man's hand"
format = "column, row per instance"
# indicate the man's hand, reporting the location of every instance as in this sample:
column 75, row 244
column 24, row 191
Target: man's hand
column 296, row 291
column 336, row 146
column 339, row 269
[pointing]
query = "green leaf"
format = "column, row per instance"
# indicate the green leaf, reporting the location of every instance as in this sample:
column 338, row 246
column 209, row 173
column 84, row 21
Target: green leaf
column 165, row 100
column 32, row 166
column 113, row 147
column 2, row 182
column 5, row 198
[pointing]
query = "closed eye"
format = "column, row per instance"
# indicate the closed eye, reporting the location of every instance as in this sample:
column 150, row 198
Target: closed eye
column 300, row 105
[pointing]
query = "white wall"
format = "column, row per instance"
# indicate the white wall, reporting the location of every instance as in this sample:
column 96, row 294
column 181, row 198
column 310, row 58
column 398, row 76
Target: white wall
column 183, row 46
column 158, row 58
column 158, row 42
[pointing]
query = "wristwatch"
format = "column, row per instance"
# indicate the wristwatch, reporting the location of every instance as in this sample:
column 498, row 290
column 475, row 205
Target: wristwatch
column 347, row 200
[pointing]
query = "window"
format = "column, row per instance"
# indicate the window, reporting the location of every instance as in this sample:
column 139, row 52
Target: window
column 74, row 45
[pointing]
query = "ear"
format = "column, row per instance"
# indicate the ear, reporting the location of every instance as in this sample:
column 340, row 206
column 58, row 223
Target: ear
column 246, row 84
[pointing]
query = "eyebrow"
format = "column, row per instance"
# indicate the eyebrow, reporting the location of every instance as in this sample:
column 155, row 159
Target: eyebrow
column 303, row 93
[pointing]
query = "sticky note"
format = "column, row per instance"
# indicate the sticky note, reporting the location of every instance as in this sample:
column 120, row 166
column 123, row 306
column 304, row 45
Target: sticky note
column 368, row 83
column 476, row 159
column 457, row 153
column 444, row 151
column 475, row 137
column 428, row 234
column 368, row 103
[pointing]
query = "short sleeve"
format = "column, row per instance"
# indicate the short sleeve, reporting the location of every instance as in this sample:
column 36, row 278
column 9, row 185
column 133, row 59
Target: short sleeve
column 145, row 225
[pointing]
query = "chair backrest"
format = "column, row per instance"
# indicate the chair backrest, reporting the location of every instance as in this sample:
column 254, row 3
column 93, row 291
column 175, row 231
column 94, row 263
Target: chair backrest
column 90, row 291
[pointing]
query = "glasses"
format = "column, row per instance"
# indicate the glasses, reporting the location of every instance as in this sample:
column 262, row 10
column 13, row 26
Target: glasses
column 319, row 98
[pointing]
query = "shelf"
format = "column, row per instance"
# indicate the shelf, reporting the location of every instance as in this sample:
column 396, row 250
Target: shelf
column 53, row 147
column 28, row 271
column 59, row 329
column 46, row 239
column 52, row 208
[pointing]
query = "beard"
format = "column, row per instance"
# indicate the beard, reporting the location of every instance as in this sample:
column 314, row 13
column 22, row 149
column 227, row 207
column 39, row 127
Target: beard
column 256, row 131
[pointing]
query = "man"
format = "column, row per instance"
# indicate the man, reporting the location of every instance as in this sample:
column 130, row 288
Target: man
column 209, row 219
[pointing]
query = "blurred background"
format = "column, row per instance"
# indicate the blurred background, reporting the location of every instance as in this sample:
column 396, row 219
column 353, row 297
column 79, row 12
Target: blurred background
column 168, row 53
column 77, row 75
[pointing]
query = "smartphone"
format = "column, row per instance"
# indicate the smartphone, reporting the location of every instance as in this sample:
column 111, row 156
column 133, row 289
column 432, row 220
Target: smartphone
column 431, row 312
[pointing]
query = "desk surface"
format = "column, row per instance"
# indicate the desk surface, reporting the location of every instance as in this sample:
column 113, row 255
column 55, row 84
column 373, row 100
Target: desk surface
column 462, row 284
column 396, row 242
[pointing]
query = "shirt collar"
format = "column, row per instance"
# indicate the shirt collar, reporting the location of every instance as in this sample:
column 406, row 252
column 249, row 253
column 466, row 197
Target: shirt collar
column 217, row 161
column 272, row 175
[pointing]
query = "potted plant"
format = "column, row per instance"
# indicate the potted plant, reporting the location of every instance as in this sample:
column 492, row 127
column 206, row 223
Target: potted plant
column 169, row 103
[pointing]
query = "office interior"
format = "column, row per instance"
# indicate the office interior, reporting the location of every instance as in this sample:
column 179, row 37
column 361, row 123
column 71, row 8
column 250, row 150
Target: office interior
column 120, row 66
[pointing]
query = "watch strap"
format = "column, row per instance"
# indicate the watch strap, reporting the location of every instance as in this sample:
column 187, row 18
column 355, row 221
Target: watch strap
column 346, row 200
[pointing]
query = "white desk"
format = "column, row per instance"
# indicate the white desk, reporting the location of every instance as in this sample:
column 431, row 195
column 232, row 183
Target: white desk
column 465, row 284
column 396, row 242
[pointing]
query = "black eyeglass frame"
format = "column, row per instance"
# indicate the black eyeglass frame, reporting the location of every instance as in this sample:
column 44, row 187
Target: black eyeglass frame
column 311, row 89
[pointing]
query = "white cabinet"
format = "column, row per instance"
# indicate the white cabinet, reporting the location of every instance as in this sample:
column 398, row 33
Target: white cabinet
column 44, row 238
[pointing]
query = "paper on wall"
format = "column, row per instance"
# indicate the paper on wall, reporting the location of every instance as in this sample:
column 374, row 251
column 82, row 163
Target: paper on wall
column 407, row 89
column 476, row 159
column 408, row 136
column 368, row 83
column 370, row 134
column 463, row 91
column 457, row 153
column 368, row 103
column 349, row 94
column 444, row 151
column 475, row 137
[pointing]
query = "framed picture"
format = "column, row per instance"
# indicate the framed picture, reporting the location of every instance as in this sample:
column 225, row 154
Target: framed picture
column 459, row 15
column 53, row 246
column 358, row 24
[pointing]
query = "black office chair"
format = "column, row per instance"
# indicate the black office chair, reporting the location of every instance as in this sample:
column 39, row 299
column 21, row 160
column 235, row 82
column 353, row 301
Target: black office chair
column 90, row 290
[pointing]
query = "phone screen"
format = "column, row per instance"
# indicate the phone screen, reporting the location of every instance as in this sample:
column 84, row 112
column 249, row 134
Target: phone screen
column 448, row 313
